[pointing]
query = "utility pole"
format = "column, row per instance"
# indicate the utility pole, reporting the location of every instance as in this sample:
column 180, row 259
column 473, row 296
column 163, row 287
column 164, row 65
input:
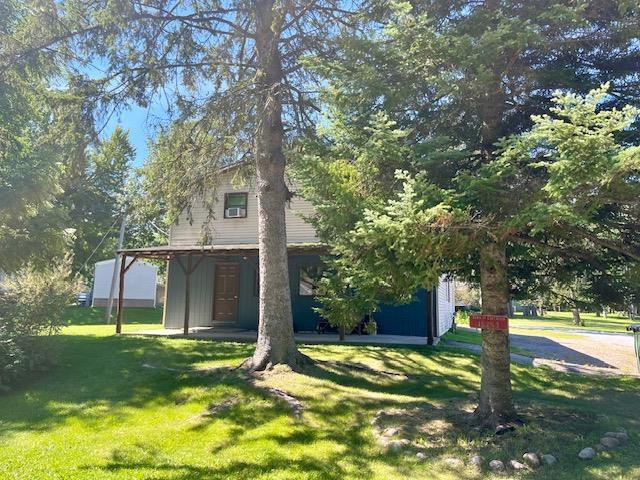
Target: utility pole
column 116, row 265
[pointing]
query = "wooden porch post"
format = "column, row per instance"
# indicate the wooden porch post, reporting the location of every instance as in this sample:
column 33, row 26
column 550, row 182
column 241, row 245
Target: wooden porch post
column 123, row 270
column 187, row 294
column 123, row 260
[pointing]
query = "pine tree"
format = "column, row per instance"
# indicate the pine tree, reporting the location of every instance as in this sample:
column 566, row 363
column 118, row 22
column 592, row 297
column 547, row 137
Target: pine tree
column 231, row 76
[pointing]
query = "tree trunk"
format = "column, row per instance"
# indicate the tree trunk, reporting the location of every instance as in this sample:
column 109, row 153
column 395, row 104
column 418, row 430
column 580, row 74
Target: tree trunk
column 576, row 316
column 496, row 398
column 276, row 343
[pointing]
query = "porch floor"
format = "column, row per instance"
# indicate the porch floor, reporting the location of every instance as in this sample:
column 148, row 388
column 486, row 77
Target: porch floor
column 251, row 336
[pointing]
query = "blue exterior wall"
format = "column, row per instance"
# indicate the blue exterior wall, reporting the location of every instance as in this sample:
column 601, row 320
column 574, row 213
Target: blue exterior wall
column 408, row 319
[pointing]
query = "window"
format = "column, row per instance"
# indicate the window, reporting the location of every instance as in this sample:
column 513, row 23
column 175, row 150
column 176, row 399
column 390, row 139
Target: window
column 235, row 205
column 308, row 277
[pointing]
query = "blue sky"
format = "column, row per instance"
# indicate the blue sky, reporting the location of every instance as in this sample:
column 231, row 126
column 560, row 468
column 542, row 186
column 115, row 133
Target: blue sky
column 139, row 121
column 140, row 124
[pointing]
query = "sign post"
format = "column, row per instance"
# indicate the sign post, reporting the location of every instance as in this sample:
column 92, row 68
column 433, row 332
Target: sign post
column 490, row 322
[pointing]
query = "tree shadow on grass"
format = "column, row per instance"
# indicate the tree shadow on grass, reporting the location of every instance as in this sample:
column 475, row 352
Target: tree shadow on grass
column 96, row 376
column 101, row 376
column 325, row 468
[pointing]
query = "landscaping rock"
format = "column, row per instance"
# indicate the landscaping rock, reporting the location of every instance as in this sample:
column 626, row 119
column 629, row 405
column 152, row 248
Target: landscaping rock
column 376, row 420
column 587, row 453
column 502, row 429
column 549, row 459
column 453, row 462
column 476, row 461
column 396, row 445
column 496, row 465
column 516, row 465
column 621, row 436
column 609, row 442
column 421, row 456
column 531, row 459
column 390, row 432
column 599, row 448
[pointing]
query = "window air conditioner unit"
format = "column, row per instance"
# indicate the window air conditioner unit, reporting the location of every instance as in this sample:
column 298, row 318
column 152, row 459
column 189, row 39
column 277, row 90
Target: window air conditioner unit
column 235, row 212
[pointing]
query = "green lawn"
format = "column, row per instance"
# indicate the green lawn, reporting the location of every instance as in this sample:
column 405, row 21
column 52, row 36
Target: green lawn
column 102, row 415
column 96, row 316
column 473, row 337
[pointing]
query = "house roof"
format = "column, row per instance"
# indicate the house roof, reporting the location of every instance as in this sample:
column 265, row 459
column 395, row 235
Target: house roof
column 231, row 166
column 169, row 251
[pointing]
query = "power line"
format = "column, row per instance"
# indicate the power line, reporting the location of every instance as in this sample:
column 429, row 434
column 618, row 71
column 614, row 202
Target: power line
column 101, row 242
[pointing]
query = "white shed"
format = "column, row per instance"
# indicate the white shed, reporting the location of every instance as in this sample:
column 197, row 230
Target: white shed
column 140, row 286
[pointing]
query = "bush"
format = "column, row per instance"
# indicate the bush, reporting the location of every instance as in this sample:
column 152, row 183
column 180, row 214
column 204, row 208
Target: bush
column 32, row 303
column 462, row 317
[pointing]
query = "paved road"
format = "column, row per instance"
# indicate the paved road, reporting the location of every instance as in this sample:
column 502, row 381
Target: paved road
column 585, row 352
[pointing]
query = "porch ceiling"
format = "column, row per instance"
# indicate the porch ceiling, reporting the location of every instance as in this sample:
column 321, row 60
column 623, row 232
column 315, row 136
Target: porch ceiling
column 170, row 251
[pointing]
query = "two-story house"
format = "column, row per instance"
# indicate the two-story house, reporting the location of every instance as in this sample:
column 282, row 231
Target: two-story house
column 216, row 285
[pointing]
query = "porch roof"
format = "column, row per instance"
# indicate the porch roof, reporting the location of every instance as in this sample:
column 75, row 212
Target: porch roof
column 169, row 251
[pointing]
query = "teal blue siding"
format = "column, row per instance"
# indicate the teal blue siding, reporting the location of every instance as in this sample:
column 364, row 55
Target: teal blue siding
column 408, row 319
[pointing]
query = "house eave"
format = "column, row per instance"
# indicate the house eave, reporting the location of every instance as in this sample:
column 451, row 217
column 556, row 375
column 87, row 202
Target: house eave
column 169, row 251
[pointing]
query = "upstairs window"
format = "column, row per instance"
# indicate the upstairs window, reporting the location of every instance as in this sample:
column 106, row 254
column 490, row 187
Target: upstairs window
column 235, row 205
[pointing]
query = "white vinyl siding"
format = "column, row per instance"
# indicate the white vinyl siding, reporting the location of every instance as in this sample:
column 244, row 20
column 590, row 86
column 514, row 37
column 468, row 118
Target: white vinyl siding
column 238, row 231
column 446, row 304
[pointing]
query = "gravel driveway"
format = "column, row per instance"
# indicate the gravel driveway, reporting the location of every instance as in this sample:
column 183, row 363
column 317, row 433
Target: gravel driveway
column 602, row 353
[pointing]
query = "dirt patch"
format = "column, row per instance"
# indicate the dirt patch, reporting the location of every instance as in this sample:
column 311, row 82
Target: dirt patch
column 427, row 427
column 438, row 429
column 215, row 408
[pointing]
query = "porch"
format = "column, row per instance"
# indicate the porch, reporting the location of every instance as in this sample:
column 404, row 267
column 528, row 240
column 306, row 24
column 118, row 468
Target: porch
column 241, row 335
column 207, row 286
column 212, row 292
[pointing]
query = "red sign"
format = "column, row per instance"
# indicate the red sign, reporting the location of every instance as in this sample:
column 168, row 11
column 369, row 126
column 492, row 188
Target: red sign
column 490, row 322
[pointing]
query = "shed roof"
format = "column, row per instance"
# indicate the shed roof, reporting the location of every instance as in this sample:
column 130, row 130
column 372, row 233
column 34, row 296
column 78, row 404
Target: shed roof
column 112, row 260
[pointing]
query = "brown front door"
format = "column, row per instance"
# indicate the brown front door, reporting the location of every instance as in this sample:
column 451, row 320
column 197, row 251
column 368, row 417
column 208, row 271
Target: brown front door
column 225, row 292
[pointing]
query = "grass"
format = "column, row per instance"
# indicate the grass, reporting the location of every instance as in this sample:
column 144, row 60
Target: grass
column 96, row 316
column 100, row 414
column 473, row 337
